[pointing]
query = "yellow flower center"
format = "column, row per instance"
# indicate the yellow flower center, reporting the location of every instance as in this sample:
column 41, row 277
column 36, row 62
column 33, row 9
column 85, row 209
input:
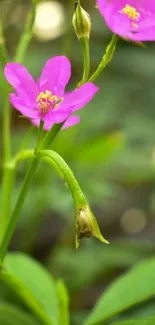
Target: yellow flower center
column 131, row 12
column 46, row 101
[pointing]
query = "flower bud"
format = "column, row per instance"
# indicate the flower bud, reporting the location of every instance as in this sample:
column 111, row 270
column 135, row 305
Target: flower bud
column 81, row 22
column 87, row 226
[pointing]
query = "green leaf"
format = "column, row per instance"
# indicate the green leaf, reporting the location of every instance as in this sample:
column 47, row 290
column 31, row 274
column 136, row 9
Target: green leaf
column 147, row 321
column 32, row 282
column 63, row 303
column 11, row 315
column 130, row 289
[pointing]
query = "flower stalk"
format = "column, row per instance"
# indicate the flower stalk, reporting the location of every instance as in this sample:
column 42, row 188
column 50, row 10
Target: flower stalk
column 11, row 224
column 7, row 176
column 107, row 57
column 86, row 223
column 86, row 60
column 82, row 27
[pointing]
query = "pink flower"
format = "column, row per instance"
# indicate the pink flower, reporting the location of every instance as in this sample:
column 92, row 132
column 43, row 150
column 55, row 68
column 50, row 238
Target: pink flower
column 47, row 99
column 132, row 19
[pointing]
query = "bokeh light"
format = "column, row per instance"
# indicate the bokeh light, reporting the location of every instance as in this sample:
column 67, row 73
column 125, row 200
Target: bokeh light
column 133, row 220
column 50, row 20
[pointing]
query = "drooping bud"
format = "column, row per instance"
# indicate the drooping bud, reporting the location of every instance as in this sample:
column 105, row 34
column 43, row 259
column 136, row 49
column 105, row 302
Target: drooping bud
column 87, row 226
column 81, row 22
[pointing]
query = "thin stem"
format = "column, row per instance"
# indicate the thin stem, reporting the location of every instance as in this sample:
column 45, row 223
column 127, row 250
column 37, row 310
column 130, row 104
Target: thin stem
column 17, row 209
column 86, row 223
column 6, row 130
column 7, row 176
column 106, row 58
column 40, row 134
column 25, row 187
column 86, row 59
column 26, row 36
column 56, row 159
column 51, row 135
column 3, row 51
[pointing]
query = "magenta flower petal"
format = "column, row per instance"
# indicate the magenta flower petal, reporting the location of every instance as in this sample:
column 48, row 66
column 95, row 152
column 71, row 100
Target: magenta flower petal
column 57, row 115
column 131, row 19
column 72, row 120
column 55, row 75
column 46, row 99
column 19, row 104
column 22, row 81
column 79, row 97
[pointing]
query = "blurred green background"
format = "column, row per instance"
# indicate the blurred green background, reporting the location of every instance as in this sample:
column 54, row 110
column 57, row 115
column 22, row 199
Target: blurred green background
column 112, row 153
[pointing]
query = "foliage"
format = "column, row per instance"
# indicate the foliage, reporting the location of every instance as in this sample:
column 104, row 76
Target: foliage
column 112, row 155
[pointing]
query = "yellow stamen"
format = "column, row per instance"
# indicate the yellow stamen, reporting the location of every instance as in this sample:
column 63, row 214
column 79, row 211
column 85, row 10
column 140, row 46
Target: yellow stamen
column 47, row 101
column 131, row 12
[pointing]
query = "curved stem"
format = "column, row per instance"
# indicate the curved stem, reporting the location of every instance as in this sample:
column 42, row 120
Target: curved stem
column 56, row 160
column 106, row 58
column 85, row 221
column 27, row 182
column 22, row 155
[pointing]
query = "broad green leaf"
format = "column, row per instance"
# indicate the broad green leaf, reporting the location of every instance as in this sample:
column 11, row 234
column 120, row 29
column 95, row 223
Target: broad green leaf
column 32, row 282
column 132, row 288
column 82, row 267
column 63, row 303
column 11, row 315
column 147, row 321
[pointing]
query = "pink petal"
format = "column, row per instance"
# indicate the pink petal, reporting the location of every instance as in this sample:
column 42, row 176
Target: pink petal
column 22, row 81
column 72, row 120
column 122, row 25
column 19, row 104
column 57, row 115
column 79, row 97
column 55, row 75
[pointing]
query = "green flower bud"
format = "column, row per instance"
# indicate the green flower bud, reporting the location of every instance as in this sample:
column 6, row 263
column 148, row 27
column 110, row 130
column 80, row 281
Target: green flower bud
column 87, row 226
column 81, row 22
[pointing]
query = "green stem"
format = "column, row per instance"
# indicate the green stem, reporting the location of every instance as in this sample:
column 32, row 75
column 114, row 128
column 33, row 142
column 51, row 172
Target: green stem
column 27, row 182
column 50, row 136
column 7, row 177
column 23, row 155
column 6, row 130
column 56, row 159
column 86, row 223
column 86, row 59
column 40, row 134
column 17, row 209
column 8, row 173
column 3, row 51
column 106, row 58
column 26, row 36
